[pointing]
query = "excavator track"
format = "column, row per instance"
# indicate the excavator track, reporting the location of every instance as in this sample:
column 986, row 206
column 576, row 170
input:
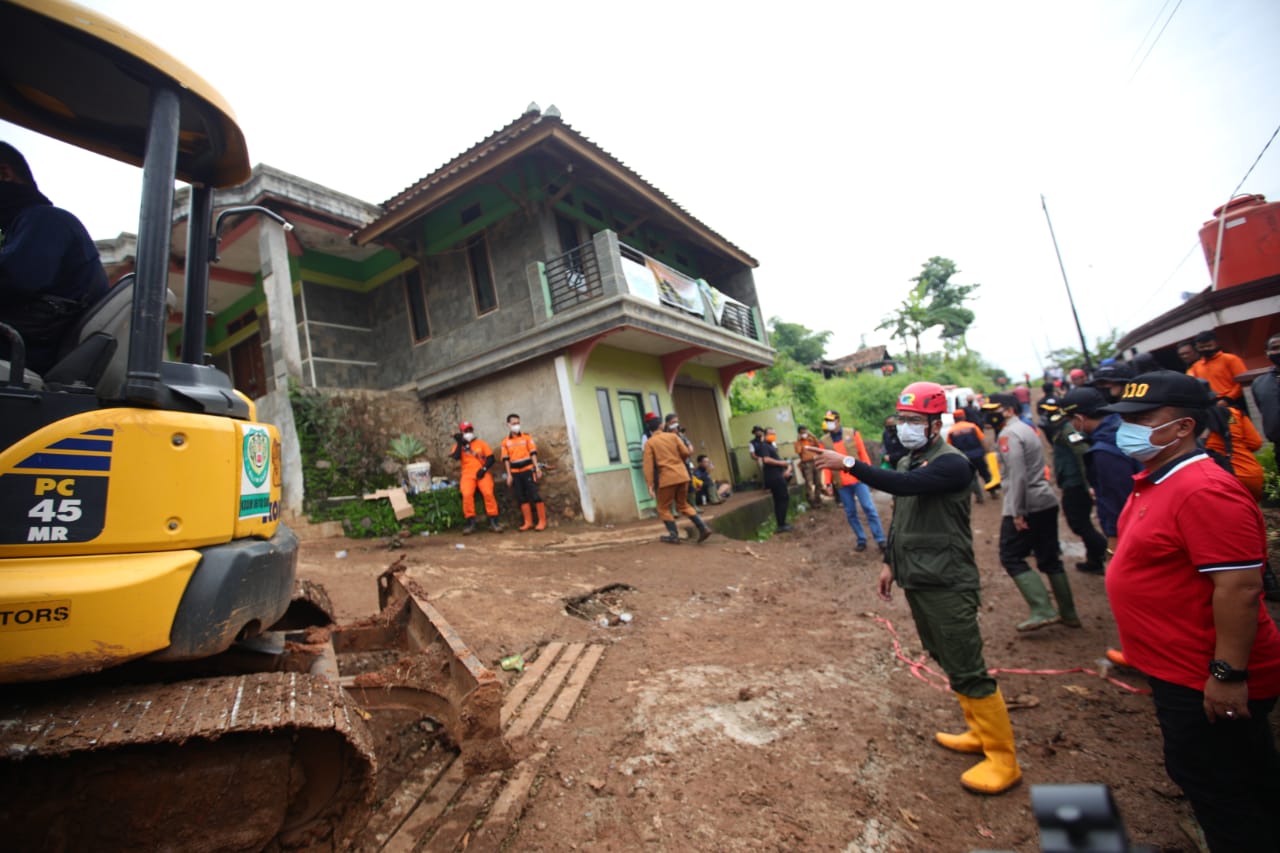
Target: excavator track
column 246, row 762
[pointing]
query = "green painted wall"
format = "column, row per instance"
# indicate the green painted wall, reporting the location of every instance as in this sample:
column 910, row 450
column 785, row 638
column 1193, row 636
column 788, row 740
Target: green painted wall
column 442, row 229
column 615, row 370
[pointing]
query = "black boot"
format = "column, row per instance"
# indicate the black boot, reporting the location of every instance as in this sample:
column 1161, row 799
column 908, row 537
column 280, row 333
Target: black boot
column 703, row 530
column 470, row 528
column 494, row 525
column 673, row 533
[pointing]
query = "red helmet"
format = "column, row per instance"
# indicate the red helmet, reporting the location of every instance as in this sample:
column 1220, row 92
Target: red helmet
column 927, row 398
column 466, row 426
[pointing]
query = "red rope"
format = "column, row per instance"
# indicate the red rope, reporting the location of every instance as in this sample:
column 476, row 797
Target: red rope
column 938, row 680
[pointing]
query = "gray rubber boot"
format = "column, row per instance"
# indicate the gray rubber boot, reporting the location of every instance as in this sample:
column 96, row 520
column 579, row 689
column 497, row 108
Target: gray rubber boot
column 703, row 530
column 673, row 533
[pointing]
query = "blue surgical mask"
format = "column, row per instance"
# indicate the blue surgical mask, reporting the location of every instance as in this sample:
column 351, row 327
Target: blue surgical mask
column 912, row 436
column 1135, row 440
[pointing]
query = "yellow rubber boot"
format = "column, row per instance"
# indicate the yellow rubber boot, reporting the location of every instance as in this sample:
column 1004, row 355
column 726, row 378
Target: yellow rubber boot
column 967, row 742
column 1000, row 771
column 542, row 516
column 528, row 517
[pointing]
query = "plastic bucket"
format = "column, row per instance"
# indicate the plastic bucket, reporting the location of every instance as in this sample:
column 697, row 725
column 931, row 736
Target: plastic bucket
column 419, row 476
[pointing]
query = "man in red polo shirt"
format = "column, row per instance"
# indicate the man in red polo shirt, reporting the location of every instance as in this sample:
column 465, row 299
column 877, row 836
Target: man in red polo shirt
column 1185, row 586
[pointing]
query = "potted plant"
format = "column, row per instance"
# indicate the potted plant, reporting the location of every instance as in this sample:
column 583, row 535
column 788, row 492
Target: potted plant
column 407, row 450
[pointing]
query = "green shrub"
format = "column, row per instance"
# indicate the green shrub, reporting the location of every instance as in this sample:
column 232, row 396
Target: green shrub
column 343, row 442
column 434, row 512
column 1270, row 476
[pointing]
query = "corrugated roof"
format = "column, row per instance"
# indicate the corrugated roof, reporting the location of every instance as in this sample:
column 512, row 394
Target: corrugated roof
column 529, row 129
column 858, row 359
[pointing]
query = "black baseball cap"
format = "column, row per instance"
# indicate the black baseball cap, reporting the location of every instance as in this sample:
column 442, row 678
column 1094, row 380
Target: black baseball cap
column 1000, row 401
column 1083, row 401
column 757, row 428
column 1116, row 372
column 1161, row 388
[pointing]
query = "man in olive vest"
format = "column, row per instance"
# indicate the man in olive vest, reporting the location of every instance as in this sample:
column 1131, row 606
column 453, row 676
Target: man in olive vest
column 930, row 555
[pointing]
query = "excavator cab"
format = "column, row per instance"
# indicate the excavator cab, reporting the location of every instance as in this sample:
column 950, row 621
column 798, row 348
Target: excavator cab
column 140, row 536
column 139, row 496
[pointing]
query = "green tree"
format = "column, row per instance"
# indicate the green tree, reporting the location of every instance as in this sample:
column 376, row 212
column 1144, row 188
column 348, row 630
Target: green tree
column 1069, row 357
column 801, row 344
column 934, row 300
column 909, row 322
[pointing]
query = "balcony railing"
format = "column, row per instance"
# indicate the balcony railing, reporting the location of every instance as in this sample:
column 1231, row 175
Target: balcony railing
column 574, row 278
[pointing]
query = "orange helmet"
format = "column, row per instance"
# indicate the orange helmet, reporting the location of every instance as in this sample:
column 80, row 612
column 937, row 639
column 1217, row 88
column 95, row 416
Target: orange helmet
column 466, row 426
column 927, row 398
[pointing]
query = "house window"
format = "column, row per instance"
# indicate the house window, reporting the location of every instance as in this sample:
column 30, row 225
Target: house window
column 417, row 297
column 481, row 275
column 567, row 231
column 606, row 421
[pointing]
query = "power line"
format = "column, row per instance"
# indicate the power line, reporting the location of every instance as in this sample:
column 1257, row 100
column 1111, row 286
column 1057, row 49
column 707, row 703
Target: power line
column 1157, row 40
column 1147, row 34
column 1256, row 160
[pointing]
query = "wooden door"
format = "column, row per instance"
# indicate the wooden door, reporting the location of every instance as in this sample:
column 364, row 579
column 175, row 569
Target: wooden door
column 248, row 371
column 699, row 415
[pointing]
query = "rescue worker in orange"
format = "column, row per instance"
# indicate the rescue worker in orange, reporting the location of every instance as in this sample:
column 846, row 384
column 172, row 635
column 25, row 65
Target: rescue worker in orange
column 1233, row 436
column 666, row 470
column 520, row 458
column 966, row 437
column 1219, row 369
column 849, row 489
column 476, row 458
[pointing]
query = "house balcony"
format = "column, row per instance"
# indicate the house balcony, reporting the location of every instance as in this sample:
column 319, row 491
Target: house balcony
column 607, row 292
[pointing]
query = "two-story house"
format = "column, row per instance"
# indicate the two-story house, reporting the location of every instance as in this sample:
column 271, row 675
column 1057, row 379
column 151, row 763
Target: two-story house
column 533, row 273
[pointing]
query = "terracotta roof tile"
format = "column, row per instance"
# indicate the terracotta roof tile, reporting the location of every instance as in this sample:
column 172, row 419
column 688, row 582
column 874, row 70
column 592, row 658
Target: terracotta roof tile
column 509, row 134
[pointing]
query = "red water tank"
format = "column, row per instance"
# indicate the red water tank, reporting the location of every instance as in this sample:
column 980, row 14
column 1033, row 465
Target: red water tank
column 1250, row 240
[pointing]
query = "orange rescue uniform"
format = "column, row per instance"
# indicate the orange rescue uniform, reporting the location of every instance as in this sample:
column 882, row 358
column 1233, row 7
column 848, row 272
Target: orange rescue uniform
column 841, row 446
column 473, row 458
column 1245, row 441
column 1220, row 372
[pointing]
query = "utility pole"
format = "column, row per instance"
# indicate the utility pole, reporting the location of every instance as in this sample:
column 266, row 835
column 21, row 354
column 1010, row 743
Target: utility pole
column 1084, row 348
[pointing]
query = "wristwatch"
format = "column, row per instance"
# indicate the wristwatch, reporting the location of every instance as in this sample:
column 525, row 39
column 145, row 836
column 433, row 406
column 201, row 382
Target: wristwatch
column 1223, row 671
column 848, row 462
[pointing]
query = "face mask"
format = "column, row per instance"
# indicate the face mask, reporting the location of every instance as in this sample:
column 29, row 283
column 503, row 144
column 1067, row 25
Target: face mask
column 1275, row 358
column 467, row 436
column 673, row 426
column 829, row 426
column 1135, row 440
column 515, row 429
column 912, row 436
column 1207, row 354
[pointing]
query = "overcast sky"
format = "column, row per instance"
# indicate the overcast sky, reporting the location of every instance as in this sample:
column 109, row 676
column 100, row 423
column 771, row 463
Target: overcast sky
column 840, row 144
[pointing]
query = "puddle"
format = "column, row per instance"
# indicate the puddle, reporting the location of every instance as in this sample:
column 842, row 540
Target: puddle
column 743, row 522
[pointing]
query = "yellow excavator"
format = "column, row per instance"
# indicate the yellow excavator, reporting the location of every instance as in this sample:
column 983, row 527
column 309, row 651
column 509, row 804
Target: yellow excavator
column 141, row 549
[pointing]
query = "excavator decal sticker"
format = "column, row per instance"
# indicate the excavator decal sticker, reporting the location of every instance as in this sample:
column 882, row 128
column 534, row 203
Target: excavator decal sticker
column 255, row 471
column 52, row 506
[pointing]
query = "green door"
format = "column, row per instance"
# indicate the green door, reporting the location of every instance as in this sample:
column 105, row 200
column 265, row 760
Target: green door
column 632, row 433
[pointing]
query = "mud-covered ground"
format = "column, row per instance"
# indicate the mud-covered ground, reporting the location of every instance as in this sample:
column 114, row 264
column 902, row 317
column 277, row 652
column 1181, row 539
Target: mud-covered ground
column 762, row 697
